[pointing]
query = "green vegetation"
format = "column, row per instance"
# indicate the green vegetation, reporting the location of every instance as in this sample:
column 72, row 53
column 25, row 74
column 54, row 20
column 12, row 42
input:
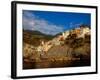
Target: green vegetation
column 34, row 37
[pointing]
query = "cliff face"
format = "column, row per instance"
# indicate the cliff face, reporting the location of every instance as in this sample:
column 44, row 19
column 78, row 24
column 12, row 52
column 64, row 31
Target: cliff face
column 73, row 39
column 74, row 43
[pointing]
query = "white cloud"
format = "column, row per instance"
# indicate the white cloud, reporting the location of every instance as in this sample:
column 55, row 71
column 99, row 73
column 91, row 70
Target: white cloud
column 32, row 22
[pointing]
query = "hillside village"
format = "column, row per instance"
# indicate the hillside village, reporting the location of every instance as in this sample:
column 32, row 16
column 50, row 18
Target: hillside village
column 66, row 48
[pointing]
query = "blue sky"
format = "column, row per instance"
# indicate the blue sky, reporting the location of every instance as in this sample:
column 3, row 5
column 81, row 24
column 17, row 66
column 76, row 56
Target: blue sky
column 53, row 22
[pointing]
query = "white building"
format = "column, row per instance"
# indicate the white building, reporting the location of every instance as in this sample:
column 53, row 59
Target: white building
column 84, row 31
column 65, row 34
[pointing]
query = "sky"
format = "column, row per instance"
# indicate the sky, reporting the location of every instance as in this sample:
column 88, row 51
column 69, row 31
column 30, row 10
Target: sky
column 53, row 23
